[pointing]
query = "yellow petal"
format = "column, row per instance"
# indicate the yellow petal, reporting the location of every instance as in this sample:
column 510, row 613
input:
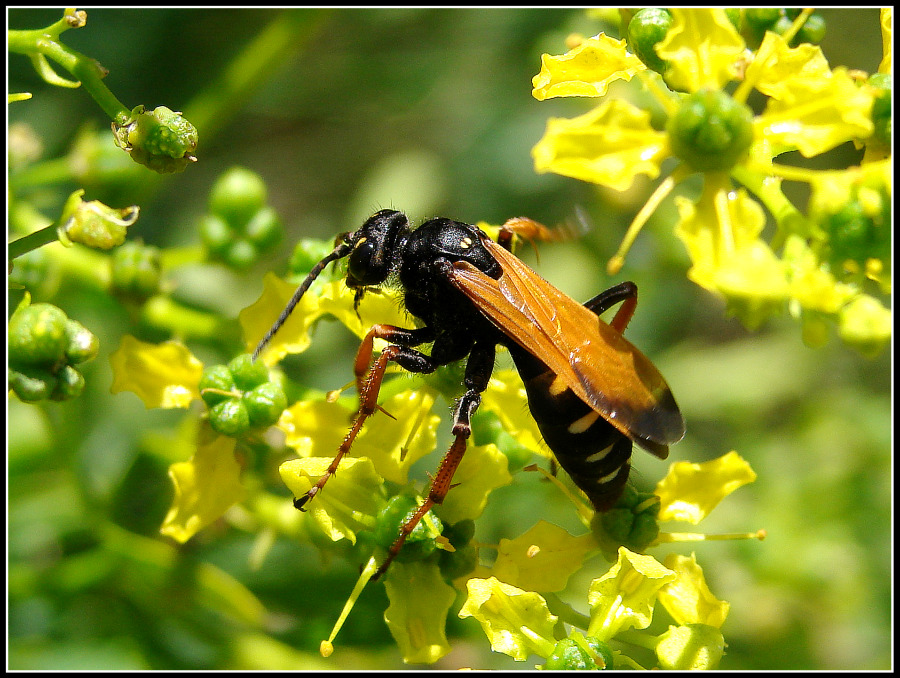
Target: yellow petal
column 348, row 503
column 702, row 48
column 887, row 22
column 609, row 146
column 585, row 71
column 688, row 598
column 315, row 428
column 162, row 375
column 516, row 622
column 690, row 491
column 624, row 597
column 205, row 487
column 816, row 113
column 419, row 602
column 543, row 558
column 776, row 62
column 482, row 470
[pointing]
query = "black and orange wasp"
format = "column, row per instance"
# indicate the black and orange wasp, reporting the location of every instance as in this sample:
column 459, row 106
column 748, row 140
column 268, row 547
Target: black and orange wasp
column 591, row 392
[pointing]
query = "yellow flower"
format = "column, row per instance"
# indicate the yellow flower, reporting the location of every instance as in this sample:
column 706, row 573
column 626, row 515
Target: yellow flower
column 809, row 107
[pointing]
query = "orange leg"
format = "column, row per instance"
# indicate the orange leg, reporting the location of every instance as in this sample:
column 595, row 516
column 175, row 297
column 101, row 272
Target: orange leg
column 369, row 384
column 478, row 373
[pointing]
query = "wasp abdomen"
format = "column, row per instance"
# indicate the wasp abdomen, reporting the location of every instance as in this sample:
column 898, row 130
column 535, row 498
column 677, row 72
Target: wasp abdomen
column 594, row 454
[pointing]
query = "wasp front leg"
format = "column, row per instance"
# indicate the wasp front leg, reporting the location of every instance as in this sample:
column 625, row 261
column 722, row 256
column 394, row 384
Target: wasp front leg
column 369, row 379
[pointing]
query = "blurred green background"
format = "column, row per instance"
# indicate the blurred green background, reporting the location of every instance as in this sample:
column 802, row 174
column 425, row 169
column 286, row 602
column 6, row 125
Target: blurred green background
column 428, row 111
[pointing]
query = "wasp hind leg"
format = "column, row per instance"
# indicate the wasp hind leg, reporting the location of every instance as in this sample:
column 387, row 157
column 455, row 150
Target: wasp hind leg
column 478, row 372
column 624, row 293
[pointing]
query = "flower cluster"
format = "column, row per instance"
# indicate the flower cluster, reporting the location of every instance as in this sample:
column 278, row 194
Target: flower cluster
column 240, row 227
column 826, row 266
column 45, row 345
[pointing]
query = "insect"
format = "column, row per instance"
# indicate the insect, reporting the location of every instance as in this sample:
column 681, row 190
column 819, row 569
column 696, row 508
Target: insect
column 591, row 392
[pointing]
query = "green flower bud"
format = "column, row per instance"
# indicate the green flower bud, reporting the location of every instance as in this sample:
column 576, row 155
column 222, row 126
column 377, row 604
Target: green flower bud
column 486, row 427
column 136, row 271
column 458, row 563
column 229, row 417
column 460, row 534
column 307, row 253
column 100, row 167
column 216, row 234
column 464, row 558
column 617, row 523
column 240, row 255
column 813, row 31
column 866, row 325
column 710, row 131
column 647, row 28
column 762, row 17
column 264, row 404
column 34, row 272
column 859, row 230
column 590, row 654
column 37, row 335
column 69, row 384
column 237, row 196
column 94, row 224
column 421, row 541
column 881, row 107
column 82, row 344
column 161, row 140
column 216, row 384
column 248, row 373
column 644, row 531
column 30, row 383
column 264, row 229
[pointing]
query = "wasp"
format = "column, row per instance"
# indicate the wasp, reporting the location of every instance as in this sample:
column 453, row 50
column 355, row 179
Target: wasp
column 590, row 391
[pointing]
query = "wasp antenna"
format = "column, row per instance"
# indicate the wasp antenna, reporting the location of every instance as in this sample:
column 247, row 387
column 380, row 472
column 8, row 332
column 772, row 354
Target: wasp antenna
column 339, row 252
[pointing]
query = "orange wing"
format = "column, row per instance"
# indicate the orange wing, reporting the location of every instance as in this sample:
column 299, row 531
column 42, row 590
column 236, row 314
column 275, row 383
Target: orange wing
column 600, row 366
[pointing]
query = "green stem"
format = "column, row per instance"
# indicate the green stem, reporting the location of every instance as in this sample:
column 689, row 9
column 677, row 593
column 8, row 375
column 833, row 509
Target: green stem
column 32, row 241
column 187, row 323
column 768, row 189
column 565, row 612
column 45, row 42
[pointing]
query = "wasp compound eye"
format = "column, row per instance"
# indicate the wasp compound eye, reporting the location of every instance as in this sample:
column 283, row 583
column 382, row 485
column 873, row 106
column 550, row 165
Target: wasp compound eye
column 367, row 265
